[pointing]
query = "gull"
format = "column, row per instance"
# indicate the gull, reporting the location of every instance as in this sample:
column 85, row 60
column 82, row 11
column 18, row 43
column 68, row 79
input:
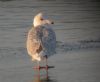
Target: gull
column 41, row 40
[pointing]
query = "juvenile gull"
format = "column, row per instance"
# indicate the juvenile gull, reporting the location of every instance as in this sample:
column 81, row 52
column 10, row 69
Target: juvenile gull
column 41, row 40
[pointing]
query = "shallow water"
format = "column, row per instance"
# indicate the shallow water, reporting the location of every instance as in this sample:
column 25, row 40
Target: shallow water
column 77, row 27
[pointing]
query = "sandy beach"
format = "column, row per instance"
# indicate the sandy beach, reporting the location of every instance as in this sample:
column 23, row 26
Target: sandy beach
column 71, row 67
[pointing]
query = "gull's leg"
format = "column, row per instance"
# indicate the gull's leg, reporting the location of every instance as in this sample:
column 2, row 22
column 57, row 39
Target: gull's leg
column 38, row 65
column 46, row 62
column 46, row 67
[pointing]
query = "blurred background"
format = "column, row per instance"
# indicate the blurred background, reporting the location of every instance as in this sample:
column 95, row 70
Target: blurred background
column 77, row 27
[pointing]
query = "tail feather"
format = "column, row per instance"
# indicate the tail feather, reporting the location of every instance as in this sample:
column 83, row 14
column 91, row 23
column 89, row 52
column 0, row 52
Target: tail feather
column 36, row 57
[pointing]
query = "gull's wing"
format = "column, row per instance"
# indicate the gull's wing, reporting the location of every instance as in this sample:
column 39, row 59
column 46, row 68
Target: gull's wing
column 33, row 42
column 48, row 40
column 41, row 39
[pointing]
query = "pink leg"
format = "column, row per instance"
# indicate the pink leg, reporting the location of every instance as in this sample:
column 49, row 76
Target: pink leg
column 46, row 68
column 38, row 66
column 46, row 63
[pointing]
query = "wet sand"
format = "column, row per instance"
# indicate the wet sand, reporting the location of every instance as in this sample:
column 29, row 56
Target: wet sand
column 70, row 67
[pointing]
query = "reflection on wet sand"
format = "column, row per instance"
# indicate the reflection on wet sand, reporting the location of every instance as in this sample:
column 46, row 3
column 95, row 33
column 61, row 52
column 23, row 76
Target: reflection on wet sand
column 43, row 78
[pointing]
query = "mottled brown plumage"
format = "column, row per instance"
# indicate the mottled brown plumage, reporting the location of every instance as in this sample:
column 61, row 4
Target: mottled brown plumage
column 41, row 40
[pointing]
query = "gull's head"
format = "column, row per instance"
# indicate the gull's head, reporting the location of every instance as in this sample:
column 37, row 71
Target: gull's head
column 40, row 19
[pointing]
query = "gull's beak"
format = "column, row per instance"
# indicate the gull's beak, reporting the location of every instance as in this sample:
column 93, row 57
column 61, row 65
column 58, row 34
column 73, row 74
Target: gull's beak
column 52, row 22
column 48, row 22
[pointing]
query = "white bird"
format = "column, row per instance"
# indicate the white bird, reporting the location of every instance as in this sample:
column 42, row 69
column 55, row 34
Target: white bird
column 41, row 40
